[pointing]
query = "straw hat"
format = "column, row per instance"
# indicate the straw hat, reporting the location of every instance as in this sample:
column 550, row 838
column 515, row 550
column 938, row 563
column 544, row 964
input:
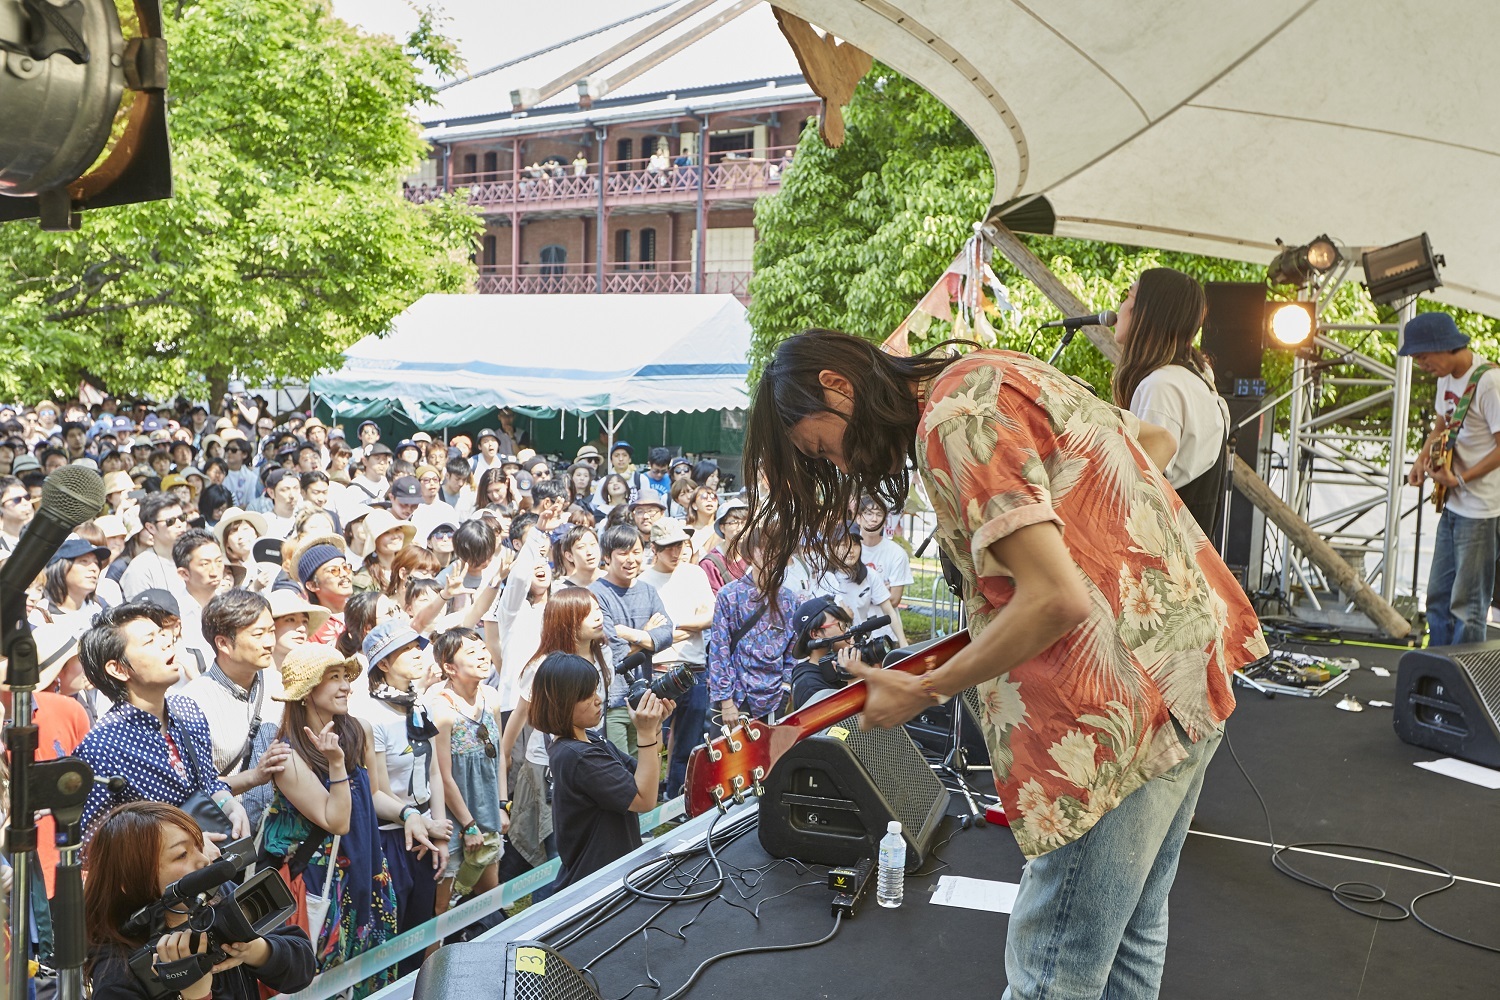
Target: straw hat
column 378, row 522
column 233, row 516
column 287, row 602
column 115, row 482
column 305, row 667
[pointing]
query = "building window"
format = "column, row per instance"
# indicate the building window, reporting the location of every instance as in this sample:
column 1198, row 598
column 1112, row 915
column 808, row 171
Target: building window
column 491, row 167
column 489, row 251
column 622, row 246
column 471, row 166
column 648, row 248
column 624, row 152
column 554, row 259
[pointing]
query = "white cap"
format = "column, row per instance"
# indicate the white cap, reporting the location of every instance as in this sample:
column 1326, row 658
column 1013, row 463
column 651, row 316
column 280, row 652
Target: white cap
column 894, row 826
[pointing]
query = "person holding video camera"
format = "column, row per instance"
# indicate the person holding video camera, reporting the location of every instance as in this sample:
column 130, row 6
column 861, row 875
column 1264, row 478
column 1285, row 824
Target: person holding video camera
column 137, row 852
column 826, row 667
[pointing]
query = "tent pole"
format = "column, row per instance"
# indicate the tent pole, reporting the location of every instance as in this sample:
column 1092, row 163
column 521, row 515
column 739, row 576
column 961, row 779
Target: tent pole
column 609, row 426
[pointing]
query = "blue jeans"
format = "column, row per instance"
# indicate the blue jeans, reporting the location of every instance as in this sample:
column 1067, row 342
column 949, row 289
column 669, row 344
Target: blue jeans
column 1090, row 919
column 688, row 722
column 1462, row 580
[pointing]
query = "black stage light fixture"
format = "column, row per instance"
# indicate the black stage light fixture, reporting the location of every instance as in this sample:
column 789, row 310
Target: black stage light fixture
column 1290, row 326
column 1297, row 265
column 1407, row 268
column 83, row 123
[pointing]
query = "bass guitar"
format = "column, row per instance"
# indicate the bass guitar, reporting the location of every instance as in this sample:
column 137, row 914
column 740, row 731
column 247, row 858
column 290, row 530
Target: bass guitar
column 734, row 765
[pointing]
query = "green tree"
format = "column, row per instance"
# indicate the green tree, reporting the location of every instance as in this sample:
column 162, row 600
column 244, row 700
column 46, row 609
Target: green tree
column 287, row 238
column 858, row 234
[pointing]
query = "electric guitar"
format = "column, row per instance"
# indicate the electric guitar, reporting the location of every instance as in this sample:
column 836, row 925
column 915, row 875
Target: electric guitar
column 732, row 766
column 1440, row 456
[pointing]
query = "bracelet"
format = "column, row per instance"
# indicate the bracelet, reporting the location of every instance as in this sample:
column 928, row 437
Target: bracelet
column 471, row 829
column 1460, row 479
column 406, row 809
column 647, row 746
column 930, row 689
column 335, row 781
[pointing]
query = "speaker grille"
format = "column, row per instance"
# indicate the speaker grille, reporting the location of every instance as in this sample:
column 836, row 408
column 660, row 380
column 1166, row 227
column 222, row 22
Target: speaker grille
column 889, row 756
column 1484, row 670
column 536, row 972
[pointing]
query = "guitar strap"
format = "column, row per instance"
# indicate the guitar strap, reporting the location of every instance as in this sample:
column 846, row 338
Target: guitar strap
column 1462, row 410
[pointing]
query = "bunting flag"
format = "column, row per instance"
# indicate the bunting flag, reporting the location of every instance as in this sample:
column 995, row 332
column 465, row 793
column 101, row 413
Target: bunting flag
column 968, row 295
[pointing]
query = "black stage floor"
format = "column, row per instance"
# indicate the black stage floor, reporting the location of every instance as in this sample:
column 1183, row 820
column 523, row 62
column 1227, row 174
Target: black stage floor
column 1238, row 928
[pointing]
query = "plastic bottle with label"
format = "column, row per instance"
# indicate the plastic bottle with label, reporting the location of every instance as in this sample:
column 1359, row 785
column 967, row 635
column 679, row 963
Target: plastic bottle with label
column 891, row 881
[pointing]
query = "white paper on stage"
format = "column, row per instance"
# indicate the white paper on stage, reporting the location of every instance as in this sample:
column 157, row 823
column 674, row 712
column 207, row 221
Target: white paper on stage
column 975, row 893
column 1464, row 771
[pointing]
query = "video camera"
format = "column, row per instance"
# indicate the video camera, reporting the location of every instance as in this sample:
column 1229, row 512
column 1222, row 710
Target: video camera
column 872, row 649
column 669, row 685
column 257, row 906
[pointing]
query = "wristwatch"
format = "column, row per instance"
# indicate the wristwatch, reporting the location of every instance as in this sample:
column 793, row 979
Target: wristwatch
column 406, row 809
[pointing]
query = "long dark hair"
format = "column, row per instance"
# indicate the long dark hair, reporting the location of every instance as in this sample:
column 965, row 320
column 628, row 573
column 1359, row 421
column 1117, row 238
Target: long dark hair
column 491, row 476
column 562, row 681
column 350, row 731
column 123, row 856
column 562, row 619
column 1168, row 313
column 804, row 499
column 359, row 619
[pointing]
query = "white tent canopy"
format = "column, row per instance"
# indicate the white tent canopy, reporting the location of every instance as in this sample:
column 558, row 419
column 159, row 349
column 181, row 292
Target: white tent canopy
column 452, row 354
column 1216, row 128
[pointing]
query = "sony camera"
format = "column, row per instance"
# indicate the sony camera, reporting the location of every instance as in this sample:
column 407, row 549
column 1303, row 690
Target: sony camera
column 669, row 685
column 872, row 649
column 226, row 913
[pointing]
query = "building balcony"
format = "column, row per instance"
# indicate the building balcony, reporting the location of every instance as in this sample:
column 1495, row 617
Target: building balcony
column 567, row 189
column 643, row 278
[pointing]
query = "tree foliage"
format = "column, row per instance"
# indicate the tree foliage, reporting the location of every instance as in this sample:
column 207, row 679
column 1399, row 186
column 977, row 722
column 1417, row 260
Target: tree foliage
column 287, row 238
column 858, row 234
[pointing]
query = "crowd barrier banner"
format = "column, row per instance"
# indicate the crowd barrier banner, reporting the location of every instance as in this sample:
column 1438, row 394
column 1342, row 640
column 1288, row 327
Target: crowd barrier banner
column 362, row 967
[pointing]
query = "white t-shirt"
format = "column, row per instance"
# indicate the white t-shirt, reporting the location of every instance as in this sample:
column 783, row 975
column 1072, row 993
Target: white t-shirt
column 684, row 593
column 1178, row 399
column 1476, row 439
column 862, row 600
column 889, row 562
column 409, row 774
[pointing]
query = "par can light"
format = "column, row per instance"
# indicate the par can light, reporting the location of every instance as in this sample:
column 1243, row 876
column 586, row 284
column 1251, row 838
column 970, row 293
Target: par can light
column 1290, row 325
column 1297, row 265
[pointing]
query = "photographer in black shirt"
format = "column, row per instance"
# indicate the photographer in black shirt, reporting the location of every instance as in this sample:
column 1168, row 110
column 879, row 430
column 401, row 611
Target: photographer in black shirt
column 827, row 667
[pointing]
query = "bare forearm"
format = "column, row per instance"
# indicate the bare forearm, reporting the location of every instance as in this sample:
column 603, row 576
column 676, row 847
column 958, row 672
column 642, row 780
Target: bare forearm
column 647, row 776
column 1158, row 443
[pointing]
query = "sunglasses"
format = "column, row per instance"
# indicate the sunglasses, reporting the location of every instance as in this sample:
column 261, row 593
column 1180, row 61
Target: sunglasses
column 169, row 522
column 484, row 736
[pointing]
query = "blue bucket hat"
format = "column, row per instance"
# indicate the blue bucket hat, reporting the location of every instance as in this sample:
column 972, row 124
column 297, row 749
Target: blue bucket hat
column 1431, row 331
column 387, row 637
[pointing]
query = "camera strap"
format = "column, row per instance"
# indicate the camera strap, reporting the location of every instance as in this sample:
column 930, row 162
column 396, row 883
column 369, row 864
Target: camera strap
column 241, row 760
column 739, row 634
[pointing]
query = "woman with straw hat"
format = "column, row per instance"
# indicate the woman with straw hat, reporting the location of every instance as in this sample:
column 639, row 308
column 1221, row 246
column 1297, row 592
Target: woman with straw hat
column 323, row 821
column 387, row 536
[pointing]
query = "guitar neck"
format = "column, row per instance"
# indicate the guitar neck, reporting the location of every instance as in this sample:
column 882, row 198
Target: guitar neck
column 851, row 699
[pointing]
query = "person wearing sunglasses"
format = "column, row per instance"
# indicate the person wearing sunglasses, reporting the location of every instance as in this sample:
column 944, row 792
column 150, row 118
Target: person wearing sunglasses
column 162, row 523
column 15, row 511
column 466, row 712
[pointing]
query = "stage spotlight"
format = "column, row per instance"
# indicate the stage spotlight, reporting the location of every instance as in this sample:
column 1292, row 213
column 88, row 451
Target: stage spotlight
column 1401, row 269
column 1297, row 265
column 1291, row 325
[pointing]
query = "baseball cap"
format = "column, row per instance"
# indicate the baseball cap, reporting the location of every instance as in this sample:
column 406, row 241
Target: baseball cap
column 668, row 531
column 808, row 616
column 378, row 448
column 487, row 433
column 406, row 489
column 75, row 546
column 621, row 444
column 387, row 637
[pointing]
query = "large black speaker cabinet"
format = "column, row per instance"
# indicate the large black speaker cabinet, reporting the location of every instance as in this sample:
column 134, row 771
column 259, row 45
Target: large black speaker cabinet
column 829, row 798
column 1448, row 700
column 532, row 971
column 1234, row 332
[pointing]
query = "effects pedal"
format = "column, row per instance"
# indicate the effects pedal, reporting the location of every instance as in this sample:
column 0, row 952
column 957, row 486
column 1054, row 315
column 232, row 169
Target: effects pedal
column 850, row 884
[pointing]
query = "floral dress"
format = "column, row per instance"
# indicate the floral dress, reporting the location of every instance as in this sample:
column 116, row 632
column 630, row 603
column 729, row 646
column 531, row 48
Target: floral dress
column 362, row 907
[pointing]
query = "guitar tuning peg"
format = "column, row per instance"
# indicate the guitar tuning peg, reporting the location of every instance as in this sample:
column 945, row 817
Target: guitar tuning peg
column 714, row 753
column 751, row 732
column 758, row 788
column 734, row 744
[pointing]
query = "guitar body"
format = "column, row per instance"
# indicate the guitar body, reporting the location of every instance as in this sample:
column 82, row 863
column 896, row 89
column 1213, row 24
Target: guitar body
column 1441, row 457
column 734, row 765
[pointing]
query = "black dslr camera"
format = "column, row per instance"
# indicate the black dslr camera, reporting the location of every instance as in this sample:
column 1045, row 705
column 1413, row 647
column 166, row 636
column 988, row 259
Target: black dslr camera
column 669, row 685
column 257, row 906
column 872, row 649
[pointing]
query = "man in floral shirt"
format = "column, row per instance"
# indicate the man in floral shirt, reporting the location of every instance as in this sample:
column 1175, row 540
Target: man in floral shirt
column 1105, row 627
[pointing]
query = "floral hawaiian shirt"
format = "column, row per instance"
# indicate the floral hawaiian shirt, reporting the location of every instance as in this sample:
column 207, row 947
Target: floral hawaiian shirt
column 1005, row 442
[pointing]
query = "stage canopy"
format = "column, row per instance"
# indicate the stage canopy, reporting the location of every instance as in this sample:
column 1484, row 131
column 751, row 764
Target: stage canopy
column 452, row 358
column 1217, row 127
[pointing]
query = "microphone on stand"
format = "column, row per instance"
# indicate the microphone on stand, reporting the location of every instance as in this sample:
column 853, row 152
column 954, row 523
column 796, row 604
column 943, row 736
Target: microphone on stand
column 1073, row 324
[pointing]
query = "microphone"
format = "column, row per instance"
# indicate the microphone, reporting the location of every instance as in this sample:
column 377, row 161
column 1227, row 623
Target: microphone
column 203, row 880
column 862, row 629
column 1108, row 317
column 871, row 624
column 70, row 496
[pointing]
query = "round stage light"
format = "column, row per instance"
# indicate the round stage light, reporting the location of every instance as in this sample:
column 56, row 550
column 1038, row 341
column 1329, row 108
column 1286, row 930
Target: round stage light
column 1292, row 324
column 1322, row 254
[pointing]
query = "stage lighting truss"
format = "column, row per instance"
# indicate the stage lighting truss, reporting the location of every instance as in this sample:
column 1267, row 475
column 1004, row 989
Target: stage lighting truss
column 1303, row 265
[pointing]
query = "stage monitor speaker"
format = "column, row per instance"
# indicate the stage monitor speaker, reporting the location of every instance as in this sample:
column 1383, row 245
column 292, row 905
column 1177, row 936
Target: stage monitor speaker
column 1448, row 700
column 1234, row 333
column 532, row 971
column 932, row 730
column 829, row 798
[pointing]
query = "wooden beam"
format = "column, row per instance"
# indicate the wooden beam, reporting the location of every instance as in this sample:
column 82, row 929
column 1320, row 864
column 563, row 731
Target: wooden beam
column 661, row 55
column 1246, row 480
column 529, row 98
column 830, row 67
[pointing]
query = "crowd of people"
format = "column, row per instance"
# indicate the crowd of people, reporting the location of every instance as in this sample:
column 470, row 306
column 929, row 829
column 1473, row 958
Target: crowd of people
column 405, row 670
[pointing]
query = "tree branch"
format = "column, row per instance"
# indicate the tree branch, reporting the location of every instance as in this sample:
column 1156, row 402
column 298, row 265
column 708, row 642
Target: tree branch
column 81, row 311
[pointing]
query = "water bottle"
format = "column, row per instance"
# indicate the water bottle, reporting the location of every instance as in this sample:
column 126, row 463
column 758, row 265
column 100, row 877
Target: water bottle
column 892, row 877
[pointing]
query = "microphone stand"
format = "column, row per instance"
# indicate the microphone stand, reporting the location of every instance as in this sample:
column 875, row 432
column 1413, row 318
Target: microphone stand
column 1062, row 345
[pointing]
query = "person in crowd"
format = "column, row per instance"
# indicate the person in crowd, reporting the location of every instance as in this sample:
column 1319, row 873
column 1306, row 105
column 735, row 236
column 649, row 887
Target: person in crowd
column 749, row 643
column 496, row 486
column 581, row 482
column 1460, row 582
column 284, row 490
column 456, row 490
column 325, row 814
column 240, row 480
column 213, row 503
column 296, row 621
column 107, row 531
column 409, row 503
column 512, row 439
column 388, row 536
column 538, row 468
column 328, row 580
column 1163, row 379
column 489, row 453
column 575, row 556
column 159, row 743
column 237, row 531
column 117, row 486
column 368, row 433
column 371, row 485
column 237, row 694
column 316, row 492
column 590, row 454
column 15, row 511
column 826, row 668
column 621, row 457
column 646, row 511
column 656, row 477
column 440, row 542
column 162, row 523
column 634, row 619
column 138, row 850
column 689, row 601
column 701, row 512
column 72, row 577
column 466, row 712
column 682, row 469
column 597, row 789
column 405, row 767
column 885, row 559
column 517, row 616
column 706, row 473
column 849, row 580
column 412, row 561
column 200, row 572
column 364, row 611
column 614, row 493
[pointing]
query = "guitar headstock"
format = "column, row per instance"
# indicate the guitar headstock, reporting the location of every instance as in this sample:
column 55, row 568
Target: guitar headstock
column 729, row 767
